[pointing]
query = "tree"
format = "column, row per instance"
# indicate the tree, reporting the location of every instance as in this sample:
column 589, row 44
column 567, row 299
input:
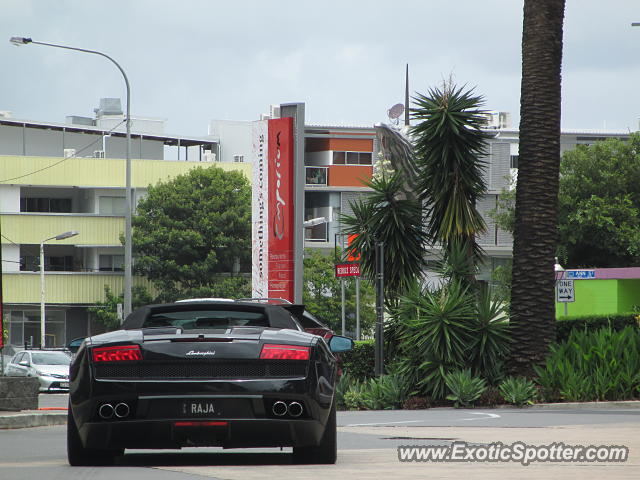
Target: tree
column 599, row 205
column 107, row 312
column 535, row 236
column 449, row 146
column 194, row 230
column 391, row 216
column 322, row 294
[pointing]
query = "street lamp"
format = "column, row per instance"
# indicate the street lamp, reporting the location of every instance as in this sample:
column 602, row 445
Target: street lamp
column 128, row 256
column 62, row 236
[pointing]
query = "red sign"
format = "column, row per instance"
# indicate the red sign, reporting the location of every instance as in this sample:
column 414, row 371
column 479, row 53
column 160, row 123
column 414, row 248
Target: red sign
column 280, row 209
column 348, row 270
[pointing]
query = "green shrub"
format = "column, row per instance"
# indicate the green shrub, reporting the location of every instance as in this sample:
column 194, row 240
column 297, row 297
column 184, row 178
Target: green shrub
column 518, row 391
column 343, row 385
column 359, row 363
column 447, row 329
column 564, row 326
column 382, row 393
column 593, row 365
column 464, row 387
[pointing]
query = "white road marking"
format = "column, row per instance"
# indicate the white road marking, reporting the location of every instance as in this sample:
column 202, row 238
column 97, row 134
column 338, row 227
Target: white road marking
column 489, row 415
column 379, row 423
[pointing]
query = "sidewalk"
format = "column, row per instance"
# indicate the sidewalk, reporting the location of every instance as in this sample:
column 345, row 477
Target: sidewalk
column 32, row 418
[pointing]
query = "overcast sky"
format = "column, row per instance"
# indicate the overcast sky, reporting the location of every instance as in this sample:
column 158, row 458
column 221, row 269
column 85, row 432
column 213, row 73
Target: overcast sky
column 191, row 61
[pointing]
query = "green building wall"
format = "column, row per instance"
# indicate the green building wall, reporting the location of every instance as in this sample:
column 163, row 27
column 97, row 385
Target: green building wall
column 601, row 297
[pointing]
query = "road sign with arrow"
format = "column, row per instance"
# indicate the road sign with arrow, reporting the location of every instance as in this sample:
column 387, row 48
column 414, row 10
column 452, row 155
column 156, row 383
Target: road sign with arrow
column 565, row 293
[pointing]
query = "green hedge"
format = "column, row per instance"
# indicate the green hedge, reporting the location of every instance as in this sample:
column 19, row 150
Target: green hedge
column 565, row 326
column 359, row 363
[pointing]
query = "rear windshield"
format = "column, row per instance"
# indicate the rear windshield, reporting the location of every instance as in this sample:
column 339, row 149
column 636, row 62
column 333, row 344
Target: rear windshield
column 206, row 319
column 50, row 358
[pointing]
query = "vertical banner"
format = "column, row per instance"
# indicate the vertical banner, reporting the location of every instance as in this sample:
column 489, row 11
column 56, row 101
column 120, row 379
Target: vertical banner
column 273, row 209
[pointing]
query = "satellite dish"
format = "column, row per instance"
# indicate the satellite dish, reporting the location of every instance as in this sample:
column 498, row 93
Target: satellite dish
column 395, row 111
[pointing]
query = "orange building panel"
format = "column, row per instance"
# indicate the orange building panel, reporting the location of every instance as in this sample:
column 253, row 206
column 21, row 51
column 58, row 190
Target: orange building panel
column 350, row 145
column 349, row 175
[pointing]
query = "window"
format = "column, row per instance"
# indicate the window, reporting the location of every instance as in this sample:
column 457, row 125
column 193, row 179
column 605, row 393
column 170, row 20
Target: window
column 352, row 158
column 111, row 263
column 24, row 327
column 514, row 161
column 316, row 175
column 61, row 263
column 238, row 158
column 37, row 204
column 112, row 205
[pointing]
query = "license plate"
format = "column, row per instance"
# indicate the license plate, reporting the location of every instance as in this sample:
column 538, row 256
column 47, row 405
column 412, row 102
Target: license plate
column 199, row 408
column 64, row 384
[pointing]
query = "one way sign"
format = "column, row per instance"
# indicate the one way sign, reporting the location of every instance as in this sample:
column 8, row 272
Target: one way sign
column 565, row 291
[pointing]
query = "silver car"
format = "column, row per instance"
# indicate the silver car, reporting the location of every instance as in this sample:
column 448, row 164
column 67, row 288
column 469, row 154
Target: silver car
column 50, row 366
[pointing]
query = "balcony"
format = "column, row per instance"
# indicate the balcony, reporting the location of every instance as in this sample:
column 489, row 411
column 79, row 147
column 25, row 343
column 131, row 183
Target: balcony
column 32, row 228
column 63, row 287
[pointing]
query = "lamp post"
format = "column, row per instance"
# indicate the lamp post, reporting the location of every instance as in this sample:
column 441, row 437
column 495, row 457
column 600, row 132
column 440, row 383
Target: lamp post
column 128, row 256
column 61, row 236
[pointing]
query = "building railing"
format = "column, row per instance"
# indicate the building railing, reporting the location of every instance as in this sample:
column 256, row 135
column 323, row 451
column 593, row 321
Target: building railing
column 63, row 287
column 32, row 228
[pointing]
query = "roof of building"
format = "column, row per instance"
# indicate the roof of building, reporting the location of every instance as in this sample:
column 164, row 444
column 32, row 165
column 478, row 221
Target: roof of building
column 182, row 140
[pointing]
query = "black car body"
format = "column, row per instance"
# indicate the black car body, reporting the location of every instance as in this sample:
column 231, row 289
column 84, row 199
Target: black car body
column 229, row 374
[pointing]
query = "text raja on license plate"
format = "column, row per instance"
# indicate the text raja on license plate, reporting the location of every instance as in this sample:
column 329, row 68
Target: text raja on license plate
column 203, row 407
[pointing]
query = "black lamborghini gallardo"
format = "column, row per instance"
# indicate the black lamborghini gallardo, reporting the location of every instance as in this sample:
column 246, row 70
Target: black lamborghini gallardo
column 228, row 374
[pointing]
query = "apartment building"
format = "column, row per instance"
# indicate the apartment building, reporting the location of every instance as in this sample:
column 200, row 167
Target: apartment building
column 70, row 176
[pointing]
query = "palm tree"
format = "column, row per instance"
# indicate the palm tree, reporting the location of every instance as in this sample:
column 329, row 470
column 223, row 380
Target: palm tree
column 449, row 146
column 390, row 215
column 535, row 235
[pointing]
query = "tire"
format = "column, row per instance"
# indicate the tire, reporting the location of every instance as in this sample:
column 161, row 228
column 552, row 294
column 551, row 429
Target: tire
column 77, row 455
column 327, row 452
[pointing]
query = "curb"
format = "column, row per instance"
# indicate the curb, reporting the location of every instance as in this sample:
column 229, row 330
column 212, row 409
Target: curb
column 31, row 419
column 585, row 405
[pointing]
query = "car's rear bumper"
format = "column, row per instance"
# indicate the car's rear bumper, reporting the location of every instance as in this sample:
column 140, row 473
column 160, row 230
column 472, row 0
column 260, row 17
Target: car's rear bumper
column 177, row 433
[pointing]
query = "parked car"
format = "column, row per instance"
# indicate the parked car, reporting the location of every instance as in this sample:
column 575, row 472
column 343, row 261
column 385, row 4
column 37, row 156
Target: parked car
column 204, row 373
column 50, row 366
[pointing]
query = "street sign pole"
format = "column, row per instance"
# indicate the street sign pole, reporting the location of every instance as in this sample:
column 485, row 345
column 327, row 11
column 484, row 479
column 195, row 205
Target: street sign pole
column 379, row 332
column 357, row 308
column 343, row 306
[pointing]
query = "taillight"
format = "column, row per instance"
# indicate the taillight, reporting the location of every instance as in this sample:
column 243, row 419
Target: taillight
column 284, row 352
column 122, row 353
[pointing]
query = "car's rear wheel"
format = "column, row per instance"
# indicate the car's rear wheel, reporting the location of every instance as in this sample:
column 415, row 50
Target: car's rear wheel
column 77, row 455
column 327, row 451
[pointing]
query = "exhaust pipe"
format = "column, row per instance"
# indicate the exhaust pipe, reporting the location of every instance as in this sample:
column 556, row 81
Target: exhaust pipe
column 121, row 410
column 279, row 408
column 106, row 411
column 295, row 409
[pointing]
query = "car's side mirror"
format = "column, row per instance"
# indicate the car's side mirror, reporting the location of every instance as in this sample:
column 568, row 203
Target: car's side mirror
column 339, row 344
column 74, row 344
column 24, row 363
